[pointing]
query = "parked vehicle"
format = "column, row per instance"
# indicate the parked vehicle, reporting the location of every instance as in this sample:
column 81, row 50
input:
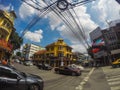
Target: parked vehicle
column 44, row 66
column 17, row 60
column 116, row 63
column 12, row 79
column 28, row 63
column 67, row 70
column 77, row 66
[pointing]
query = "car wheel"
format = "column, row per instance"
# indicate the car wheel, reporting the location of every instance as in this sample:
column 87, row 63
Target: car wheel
column 34, row 87
column 73, row 74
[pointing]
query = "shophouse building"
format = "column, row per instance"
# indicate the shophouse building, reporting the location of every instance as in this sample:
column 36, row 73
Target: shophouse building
column 112, row 38
column 6, row 29
column 98, row 44
column 56, row 54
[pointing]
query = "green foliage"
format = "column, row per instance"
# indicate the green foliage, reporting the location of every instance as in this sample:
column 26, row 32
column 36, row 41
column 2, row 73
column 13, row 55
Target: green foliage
column 16, row 40
column 18, row 54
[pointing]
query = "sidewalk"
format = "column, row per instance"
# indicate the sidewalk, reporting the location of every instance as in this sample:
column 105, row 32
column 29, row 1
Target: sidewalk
column 97, row 81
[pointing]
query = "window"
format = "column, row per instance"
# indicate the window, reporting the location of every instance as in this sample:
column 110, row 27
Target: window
column 60, row 48
column 7, row 73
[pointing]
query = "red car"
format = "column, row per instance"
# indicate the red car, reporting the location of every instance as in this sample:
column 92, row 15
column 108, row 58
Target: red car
column 67, row 70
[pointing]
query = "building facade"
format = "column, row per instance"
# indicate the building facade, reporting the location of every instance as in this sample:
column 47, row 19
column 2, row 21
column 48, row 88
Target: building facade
column 29, row 50
column 6, row 29
column 112, row 38
column 100, row 54
column 56, row 54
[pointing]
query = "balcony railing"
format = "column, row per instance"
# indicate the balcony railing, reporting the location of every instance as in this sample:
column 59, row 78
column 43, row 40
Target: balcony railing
column 6, row 45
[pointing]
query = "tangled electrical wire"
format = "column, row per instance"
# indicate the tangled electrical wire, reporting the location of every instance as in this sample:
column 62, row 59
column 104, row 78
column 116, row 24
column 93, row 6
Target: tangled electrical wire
column 65, row 11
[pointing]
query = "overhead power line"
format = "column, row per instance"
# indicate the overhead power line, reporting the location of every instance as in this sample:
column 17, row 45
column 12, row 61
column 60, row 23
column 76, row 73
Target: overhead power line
column 62, row 9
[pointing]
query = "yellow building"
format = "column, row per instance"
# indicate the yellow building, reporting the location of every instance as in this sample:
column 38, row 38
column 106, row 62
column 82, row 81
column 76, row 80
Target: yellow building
column 6, row 28
column 59, row 53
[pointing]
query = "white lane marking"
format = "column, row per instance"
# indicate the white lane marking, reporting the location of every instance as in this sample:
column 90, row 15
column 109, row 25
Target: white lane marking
column 114, row 79
column 115, row 88
column 112, row 76
column 114, row 83
column 80, row 87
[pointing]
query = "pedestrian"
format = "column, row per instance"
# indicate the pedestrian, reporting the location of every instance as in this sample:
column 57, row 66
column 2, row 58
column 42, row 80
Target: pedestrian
column 4, row 62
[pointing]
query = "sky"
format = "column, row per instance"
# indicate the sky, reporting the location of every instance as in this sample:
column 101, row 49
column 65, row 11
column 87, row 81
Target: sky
column 50, row 27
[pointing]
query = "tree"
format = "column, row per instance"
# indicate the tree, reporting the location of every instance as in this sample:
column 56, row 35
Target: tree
column 18, row 54
column 15, row 40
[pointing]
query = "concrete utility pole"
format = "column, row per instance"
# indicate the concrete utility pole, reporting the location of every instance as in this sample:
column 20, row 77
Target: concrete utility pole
column 108, row 48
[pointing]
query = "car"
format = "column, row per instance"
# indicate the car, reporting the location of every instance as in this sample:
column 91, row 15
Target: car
column 17, row 60
column 77, row 66
column 44, row 66
column 67, row 70
column 28, row 63
column 13, row 79
column 116, row 63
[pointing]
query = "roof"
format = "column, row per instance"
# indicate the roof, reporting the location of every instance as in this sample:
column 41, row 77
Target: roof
column 55, row 43
column 41, row 52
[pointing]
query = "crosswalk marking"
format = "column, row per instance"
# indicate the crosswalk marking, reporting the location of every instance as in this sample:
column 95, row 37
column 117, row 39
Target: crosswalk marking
column 113, row 77
column 115, row 88
column 114, row 83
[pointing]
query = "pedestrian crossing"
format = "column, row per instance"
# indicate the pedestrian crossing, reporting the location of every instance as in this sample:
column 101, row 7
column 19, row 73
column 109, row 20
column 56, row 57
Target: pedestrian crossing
column 112, row 77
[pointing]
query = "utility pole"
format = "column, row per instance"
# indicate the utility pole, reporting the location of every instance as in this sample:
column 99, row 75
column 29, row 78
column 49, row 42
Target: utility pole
column 108, row 48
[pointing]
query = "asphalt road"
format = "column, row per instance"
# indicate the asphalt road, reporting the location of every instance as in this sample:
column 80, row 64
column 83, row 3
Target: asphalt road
column 55, row 81
column 97, row 81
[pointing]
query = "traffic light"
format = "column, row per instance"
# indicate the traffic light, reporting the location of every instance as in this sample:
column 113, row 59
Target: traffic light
column 118, row 1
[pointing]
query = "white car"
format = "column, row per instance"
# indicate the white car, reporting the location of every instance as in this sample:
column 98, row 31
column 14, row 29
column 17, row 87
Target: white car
column 77, row 66
column 28, row 63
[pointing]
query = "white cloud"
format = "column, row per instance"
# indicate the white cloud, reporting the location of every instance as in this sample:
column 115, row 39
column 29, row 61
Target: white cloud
column 35, row 36
column 106, row 10
column 75, row 35
column 26, row 10
column 9, row 7
column 103, row 10
column 79, row 48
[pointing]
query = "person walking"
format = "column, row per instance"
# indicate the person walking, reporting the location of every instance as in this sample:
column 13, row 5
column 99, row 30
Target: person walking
column 4, row 62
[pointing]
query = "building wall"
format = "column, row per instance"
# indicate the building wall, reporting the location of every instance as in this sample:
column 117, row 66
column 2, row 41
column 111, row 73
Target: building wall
column 59, row 49
column 55, row 54
column 112, row 36
column 6, row 28
column 30, row 49
column 100, row 55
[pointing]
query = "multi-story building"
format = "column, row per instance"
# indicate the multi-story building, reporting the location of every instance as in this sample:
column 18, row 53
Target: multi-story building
column 29, row 50
column 59, row 53
column 56, row 54
column 100, row 55
column 6, row 28
column 112, row 38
